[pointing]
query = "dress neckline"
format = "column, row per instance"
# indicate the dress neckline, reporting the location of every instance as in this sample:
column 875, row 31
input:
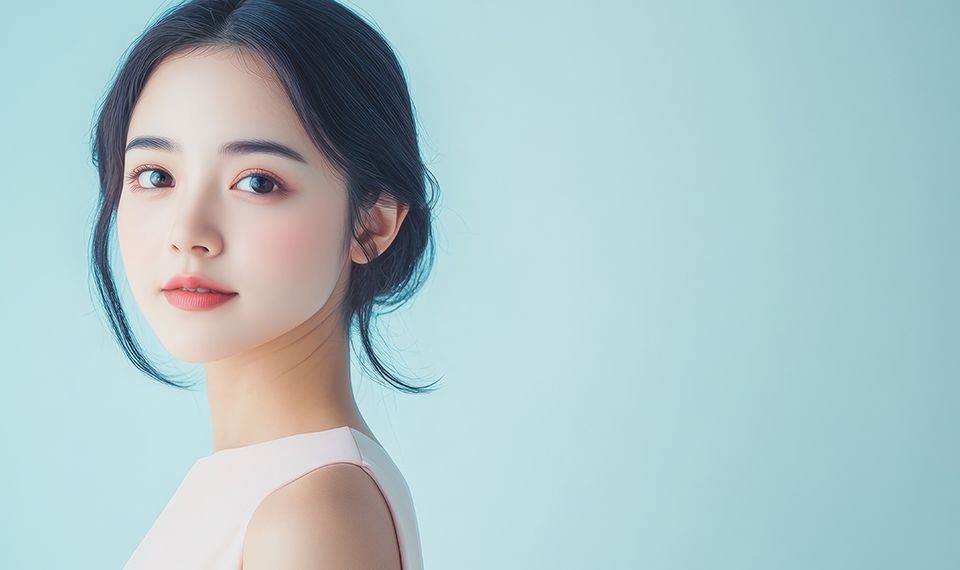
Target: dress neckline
column 268, row 443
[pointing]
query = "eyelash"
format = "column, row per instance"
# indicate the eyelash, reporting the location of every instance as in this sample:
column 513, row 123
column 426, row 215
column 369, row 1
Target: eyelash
column 280, row 189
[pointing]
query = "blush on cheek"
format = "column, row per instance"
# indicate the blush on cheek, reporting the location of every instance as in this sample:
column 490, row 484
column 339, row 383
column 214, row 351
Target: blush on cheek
column 134, row 235
column 296, row 249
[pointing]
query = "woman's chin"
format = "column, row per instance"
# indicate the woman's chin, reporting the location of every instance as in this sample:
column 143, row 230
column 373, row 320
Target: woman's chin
column 197, row 352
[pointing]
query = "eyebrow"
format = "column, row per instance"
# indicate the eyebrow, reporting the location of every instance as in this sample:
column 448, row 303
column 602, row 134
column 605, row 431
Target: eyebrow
column 248, row 146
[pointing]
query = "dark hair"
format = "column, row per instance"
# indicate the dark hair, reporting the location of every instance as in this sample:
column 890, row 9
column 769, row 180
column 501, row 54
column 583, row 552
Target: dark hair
column 349, row 92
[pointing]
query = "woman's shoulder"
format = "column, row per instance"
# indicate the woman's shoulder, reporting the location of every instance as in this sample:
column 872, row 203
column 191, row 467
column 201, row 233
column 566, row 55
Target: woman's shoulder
column 333, row 516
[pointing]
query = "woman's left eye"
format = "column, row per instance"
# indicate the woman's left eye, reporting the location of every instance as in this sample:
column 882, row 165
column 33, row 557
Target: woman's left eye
column 261, row 184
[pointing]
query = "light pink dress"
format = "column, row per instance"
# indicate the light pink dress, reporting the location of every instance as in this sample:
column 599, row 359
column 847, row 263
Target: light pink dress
column 203, row 524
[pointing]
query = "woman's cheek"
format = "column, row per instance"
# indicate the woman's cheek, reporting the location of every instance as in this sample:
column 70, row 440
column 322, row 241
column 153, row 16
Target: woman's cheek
column 300, row 249
column 134, row 236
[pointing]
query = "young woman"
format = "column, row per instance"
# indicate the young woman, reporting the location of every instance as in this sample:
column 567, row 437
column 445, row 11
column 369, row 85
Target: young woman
column 260, row 160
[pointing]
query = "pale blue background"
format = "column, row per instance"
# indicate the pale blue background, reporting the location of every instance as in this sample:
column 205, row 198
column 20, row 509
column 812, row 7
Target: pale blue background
column 695, row 297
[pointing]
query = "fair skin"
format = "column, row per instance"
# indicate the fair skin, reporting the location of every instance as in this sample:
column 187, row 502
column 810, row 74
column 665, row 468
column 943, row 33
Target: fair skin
column 276, row 357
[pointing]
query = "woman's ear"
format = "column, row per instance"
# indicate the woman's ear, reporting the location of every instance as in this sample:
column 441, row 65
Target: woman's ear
column 379, row 226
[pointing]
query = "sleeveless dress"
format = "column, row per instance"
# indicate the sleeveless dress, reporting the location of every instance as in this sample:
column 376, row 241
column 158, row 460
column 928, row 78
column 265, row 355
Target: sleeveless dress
column 203, row 525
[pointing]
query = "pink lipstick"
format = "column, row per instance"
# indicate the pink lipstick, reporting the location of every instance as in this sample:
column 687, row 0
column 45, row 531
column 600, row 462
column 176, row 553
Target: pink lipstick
column 190, row 301
column 205, row 294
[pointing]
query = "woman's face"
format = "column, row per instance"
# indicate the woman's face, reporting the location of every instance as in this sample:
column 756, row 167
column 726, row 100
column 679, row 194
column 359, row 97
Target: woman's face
column 194, row 210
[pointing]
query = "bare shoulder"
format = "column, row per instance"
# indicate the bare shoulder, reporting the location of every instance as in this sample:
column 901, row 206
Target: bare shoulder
column 332, row 517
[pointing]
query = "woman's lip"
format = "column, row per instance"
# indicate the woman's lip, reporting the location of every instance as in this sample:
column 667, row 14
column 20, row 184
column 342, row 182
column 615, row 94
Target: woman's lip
column 198, row 287
column 194, row 281
column 194, row 301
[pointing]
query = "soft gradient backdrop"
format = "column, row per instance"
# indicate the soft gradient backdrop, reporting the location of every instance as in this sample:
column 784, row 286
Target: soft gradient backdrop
column 695, row 299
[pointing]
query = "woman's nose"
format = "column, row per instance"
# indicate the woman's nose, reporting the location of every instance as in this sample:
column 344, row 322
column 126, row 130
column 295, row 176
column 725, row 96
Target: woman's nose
column 194, row 228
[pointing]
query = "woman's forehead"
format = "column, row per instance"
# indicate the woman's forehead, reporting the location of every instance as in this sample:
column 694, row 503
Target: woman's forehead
column 214, row 85
column 202, row 100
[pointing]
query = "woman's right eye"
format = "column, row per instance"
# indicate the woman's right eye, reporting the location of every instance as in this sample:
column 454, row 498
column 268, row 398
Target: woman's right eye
column 146, row 177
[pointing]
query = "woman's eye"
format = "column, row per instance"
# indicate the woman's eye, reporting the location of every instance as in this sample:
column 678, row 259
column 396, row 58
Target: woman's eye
column 151, row 178
column 257, row 183
column 260, row 184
